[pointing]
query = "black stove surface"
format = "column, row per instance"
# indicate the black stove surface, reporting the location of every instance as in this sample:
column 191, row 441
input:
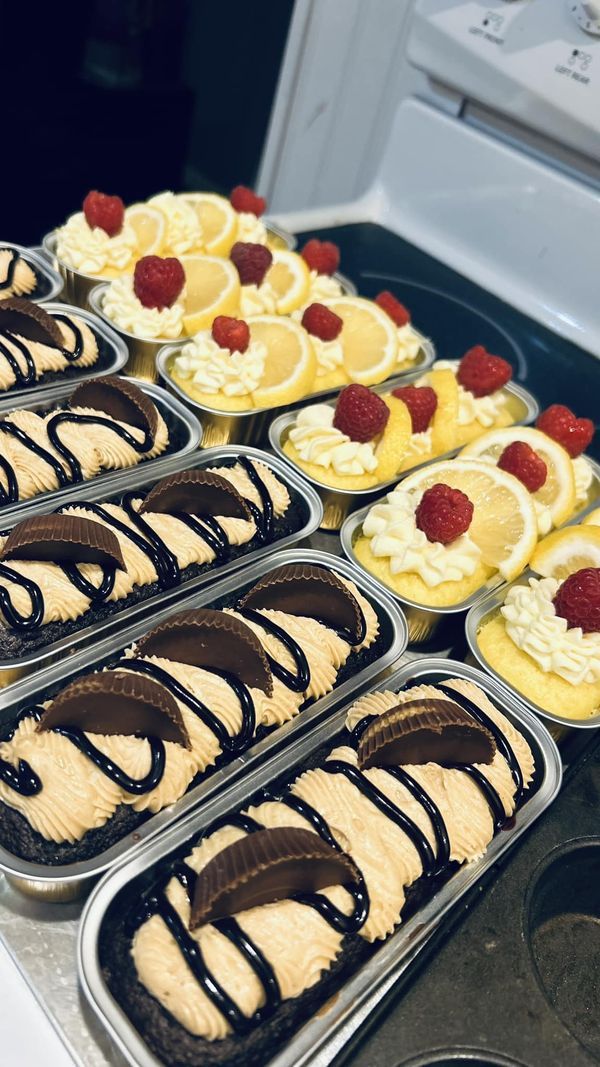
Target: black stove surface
column 553, row 369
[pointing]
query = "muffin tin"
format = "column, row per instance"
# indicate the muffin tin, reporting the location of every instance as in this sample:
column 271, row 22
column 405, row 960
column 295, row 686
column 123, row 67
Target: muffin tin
column 328, row 1030
column 112, row 356
column 48, row 283
column 338, row 502
column 91, row 632
column 67, row 882
column 184, row 437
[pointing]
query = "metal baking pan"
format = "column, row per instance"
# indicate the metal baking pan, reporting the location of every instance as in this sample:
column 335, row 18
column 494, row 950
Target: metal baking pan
column 338, row 502
column 225, row 427
column 481, row 612
column 48, row 283
column 112, row 352
column 11, row 670
column 143, row 352
column 183, row 428
column 323, row 1037
column 70, row 881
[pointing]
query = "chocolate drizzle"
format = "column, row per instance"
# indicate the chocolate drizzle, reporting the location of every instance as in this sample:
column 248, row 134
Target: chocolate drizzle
column 22, row 322
column 10, row 271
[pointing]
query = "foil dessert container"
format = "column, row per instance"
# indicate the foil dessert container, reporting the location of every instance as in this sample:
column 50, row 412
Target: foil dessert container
column 112, row 357
column 78, row 285
column 144, row 352
column 14, row 668
column 60, row 884
column 48, row 282
column 482, row 612
column 323, row 1036
column 184, row 437
column 252, row 425
column 338, row 502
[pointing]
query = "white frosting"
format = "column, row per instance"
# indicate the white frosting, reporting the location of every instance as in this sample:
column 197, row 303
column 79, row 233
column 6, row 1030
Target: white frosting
column 322, row 287
column 258, row 300
column 534, row 627
column 251, row 228
column 392, row 527
column 121, row 306
column 183, row 229
column 90, row 250
column 214, row 369
column 318, row 441
column 482, row 409
column 583, row 474
column 409, row 343
column 330, row 354
column 421, row 443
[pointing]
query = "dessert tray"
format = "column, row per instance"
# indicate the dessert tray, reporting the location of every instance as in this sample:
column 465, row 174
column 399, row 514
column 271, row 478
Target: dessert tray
column 48, row 283
column 330, row 1025
column 95, row 625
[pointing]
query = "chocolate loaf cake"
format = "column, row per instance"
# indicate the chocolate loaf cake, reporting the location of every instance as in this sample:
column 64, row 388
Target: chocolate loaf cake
column 88, row 764
column 222, row 951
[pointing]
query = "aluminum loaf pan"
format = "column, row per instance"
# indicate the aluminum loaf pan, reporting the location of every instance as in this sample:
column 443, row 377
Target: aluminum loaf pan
column 338, row 502
column 48, row 282
column 69, row 881
column 324, row 1035
column 184, row 429
column 11, row 669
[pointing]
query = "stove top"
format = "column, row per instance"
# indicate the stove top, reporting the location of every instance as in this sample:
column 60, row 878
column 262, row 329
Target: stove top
column 552, row 368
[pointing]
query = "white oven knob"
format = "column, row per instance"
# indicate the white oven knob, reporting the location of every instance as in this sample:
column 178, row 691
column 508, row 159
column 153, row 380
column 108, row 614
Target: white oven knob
column 587, row 14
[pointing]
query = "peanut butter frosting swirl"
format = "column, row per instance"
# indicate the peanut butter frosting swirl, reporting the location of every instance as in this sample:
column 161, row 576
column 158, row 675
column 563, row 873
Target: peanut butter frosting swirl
column 24, row 361
column 74, row 787
column 17, row 277
column 394, row 824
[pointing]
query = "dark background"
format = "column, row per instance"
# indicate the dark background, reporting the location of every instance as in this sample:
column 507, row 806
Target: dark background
column 131, row 97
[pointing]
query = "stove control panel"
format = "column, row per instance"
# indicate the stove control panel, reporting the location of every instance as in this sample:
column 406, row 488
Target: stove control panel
column 535, row 61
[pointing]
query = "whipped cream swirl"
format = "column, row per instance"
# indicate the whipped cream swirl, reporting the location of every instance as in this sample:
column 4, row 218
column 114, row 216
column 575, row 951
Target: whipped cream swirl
column 218, row 370
column 482, row 409
column 258, row 300
column 318, row 441
column 533, row 626
column 583, row 474
column 251, row 228
column 323, row 287
column 391, row 526
column 90, row 249
column 183, row 229
column 409, row 343
column 121, row 306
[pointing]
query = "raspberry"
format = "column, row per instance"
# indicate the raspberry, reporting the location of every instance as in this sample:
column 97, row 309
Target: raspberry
column 421, row 401
column 244, row 199
column 396, row 311
column 578, row 600
column 230, row 333
column 481, row 373
column 106, row 212
column 443, row 514
column 360, row 413
column 563, row 426
column 158, row 282
column 321, row 322
column 521, row 460
column 252, row 261
column 322, row 256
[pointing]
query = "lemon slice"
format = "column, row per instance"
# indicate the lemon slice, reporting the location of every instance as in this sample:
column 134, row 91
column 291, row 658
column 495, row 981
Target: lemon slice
column 218, row 222
column 291, row 364
column 369, row 339
column 149, row 226
column 558, row 491
column 212, row 287
column 289, row 277
column 444, row 423
column 563, row 552
column 394, row 440
column 593, row 519
column 504, row 522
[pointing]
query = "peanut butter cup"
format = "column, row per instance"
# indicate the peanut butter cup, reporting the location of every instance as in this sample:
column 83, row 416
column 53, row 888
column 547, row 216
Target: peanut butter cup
column 303, row 589
column 425, row 731
column 114, row 702
column 120, row 399
column 63, row 538
column 264, row 867
column 21, row 317
column 213, row 639
column 196, row 492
